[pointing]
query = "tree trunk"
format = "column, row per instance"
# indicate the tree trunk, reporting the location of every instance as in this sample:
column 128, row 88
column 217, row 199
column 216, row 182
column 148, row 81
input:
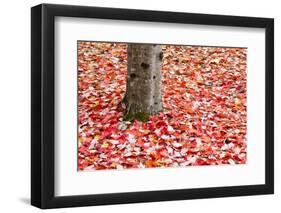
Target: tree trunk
column 143, row 88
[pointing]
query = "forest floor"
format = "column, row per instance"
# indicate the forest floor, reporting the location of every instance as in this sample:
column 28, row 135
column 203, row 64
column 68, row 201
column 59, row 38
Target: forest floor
column 204, row 121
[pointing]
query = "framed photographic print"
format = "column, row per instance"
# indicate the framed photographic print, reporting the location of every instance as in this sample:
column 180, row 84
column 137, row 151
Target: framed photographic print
column 139, row 106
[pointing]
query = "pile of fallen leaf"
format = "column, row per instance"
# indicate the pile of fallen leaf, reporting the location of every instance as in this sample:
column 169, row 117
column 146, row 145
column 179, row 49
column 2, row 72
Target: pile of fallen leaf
column 204, row 119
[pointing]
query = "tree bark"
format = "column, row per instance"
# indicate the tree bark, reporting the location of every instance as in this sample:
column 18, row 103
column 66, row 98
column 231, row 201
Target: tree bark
column 143, row 88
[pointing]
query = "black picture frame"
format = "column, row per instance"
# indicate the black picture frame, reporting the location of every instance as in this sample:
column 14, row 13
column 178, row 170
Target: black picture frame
column 43, row 111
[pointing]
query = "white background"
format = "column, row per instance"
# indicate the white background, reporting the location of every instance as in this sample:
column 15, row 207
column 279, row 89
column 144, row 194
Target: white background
column 159, row 179
column 15, row 106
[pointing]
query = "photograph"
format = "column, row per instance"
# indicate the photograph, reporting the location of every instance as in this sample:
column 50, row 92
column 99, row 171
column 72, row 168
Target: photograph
column 139, row 105
column 144, row 105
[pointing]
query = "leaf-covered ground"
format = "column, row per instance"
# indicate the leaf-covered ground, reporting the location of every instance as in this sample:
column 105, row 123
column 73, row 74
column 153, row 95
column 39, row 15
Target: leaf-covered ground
column 204, row 119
